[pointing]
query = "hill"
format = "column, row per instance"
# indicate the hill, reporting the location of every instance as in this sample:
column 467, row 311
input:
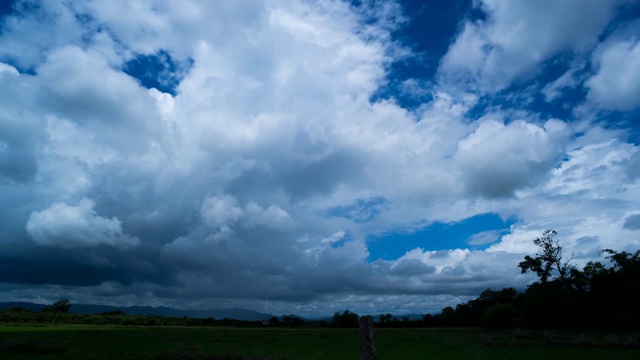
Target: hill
column 236, row 313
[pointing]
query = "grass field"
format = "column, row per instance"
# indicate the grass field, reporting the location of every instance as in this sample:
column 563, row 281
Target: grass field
column 198, row 343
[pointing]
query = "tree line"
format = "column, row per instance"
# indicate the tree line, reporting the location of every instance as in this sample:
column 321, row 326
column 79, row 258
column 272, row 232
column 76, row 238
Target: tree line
column 598, row 297
column 24, row 316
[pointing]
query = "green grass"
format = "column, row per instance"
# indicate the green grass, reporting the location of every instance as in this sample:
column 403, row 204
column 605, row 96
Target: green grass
column 164, row 343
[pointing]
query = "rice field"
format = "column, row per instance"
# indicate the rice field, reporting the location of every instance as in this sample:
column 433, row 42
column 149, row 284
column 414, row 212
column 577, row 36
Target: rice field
column 199, row 343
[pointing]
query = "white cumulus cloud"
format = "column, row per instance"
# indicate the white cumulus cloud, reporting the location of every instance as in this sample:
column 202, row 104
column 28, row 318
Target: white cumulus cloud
column 76, row 226
column 516, row 36
column 616, row 84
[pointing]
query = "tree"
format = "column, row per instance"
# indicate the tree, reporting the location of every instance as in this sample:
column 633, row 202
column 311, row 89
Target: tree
column 430, row 320
column 116, row 312
column 60, row 306
column 292, row 321
column 548, row 262
column 19, row 309
column 386, row 318
column 551, row 302
column 448, row 317
column 347, row 319
column 623, row 261
column 613, row 292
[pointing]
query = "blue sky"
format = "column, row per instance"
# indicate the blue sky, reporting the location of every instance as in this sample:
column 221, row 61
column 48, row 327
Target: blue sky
column 442, row 236
column 310, row 156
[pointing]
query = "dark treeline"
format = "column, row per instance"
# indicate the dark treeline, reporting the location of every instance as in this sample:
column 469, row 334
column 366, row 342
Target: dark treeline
column 24, row 316
column 58, row 313
column 598, row 297
column 53, row 314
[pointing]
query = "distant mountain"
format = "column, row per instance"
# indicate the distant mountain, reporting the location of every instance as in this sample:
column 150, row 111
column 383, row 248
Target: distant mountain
column 237, row 313
column 20, row 304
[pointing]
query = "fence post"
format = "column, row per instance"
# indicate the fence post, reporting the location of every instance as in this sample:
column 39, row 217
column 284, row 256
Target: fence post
column 367, row 347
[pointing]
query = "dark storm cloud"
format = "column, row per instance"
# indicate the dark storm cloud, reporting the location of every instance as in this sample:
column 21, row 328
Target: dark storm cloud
column 321, row 176
column 32, row 264
column 16, row 165
column 18, row 139
column 632, row 222
column 634, row 166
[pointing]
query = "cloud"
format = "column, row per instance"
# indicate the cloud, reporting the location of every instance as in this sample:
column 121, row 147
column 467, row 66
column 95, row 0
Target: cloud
column 461, row 271
column 632, row 221
column 221, row 210
column 273, row 216
column 76, row 226
column 485, row 237
column 81, row 86
column 443, row 261
column 633, row 171
column 16, row 165
column 497, row 159
column 517, row 36
column 616, row 83
column 18, row 138
column 8, row 69
column 589, row 168
column 51, row 24
column 569, row 80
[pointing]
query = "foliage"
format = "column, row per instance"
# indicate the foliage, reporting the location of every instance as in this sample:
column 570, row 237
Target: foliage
column 60, row 306
column 345, row 320
column 500, row 316
column 113, row 312
column 549, row 260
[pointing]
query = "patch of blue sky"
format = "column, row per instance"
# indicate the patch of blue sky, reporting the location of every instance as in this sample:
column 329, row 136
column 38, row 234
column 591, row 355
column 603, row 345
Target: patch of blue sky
column 477, row 233
column 431, row 28
column 159, row 71
column 6, row 7
column 628, row 121
column 634, row 132
column 627, row 13
column 532, row 95
column 361, row 211
column 560, row 87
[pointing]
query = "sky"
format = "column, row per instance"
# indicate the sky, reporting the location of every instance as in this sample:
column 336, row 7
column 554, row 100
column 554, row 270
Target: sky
column 310, row 156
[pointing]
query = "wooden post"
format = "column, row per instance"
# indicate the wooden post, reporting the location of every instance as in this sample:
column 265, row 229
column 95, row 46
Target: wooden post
column 367, row 347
